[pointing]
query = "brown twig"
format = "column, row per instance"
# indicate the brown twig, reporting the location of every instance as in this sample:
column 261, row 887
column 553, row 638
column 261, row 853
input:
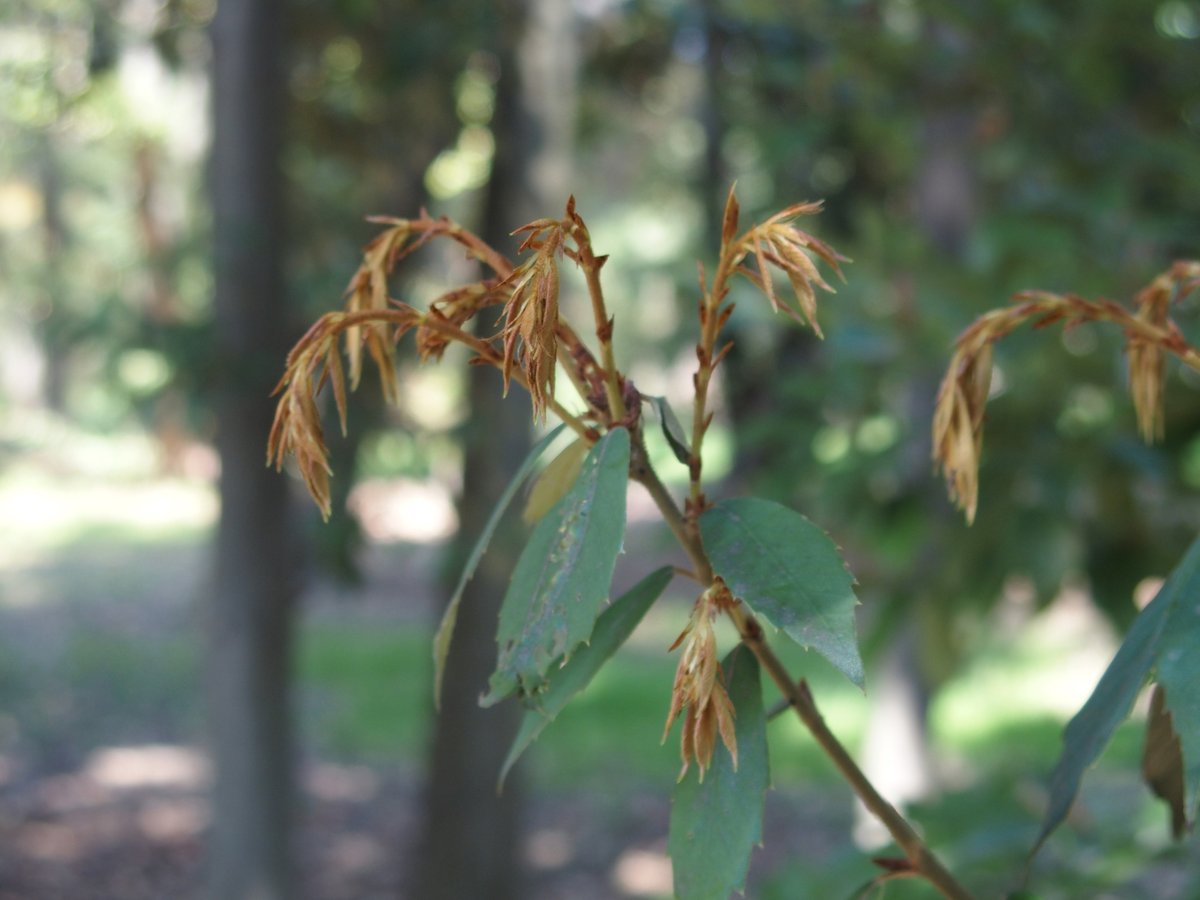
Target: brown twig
column 1150, row 333
column 797, row 694
column 487, row 354
column 591, row 264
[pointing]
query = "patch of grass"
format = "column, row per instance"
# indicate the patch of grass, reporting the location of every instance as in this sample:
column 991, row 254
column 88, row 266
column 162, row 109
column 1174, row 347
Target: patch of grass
column 366, row 689
column 97, row 688
column 611, row 731
column 370, row 692
column 124, row 689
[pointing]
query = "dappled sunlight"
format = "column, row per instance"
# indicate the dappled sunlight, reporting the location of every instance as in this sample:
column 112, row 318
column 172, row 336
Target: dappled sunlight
column 158, row 244
column 404, row 509
column 56, row 843
column 132, row 820
column 153, row 765
column 173, row 819
column 340, row 783
column 145, row 795
column 549, row 848
column 643, row 873
column 43, row 513
column 1048, row 669
column 357, row 852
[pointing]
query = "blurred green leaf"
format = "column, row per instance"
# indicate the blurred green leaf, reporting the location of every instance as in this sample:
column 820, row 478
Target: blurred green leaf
column 672, row 430
column 1163, row 637
column 788, row 571
column 441, row 640
column 613, row 628
column 563, row 575
column 716, row 823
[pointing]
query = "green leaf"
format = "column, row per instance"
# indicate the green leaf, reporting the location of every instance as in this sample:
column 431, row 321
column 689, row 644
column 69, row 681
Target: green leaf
column 788, row 571
column 715, row 824
column 441, row 640
column 561, row 580
column 554, row 481
column 612, row 630
column 1162, row 639
column 1177, row 670
column 671, row 429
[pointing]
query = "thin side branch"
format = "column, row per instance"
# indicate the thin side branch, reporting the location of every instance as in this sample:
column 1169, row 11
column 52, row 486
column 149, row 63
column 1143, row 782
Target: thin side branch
column 924, row 862
column 591, row 264
column 1150, row 334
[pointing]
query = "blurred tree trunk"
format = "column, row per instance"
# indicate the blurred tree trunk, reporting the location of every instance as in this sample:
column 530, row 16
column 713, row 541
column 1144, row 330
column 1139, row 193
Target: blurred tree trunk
column 714, row 176
column 896, row 754
column 249, row 656
column 748, row 365
column 471, row 840
column 54, row 342
column 161, row 302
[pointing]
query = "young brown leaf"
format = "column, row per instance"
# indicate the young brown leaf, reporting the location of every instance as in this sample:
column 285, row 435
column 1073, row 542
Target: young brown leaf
column 700, row 689
column 531, row 321
column 333, row 364
column 729, row 221
column 1162, row 761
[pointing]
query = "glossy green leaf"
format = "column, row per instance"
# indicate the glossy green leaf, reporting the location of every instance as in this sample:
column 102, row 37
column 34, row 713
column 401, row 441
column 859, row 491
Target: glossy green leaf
column 715, row 824
column 613, row 628
column 1162, row 641
column 788, row 571
column 441, row 640
column 561, row 580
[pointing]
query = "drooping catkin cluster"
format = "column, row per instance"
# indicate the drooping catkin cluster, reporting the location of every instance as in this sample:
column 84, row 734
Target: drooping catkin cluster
column 700, row 686
column 531, row 340
column 372, row 319
column 776, row 245
column 1150, row 334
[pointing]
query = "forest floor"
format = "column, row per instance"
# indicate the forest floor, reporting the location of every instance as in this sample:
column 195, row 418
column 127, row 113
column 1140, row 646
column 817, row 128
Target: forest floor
column 103, row 782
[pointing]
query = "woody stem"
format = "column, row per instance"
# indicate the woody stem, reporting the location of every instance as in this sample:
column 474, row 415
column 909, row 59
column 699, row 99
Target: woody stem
column 481, row 250
column 591, row 264
column 486, row 352
column 798, row 696
column 710, row 308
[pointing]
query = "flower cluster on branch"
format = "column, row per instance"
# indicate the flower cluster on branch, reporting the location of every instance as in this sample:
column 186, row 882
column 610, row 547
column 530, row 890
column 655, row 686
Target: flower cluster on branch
column 700, row 685
column 1150, row 334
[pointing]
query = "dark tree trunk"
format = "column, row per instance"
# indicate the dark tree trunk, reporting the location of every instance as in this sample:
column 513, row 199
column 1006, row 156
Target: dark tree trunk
column 470, row 845
column 250, row 610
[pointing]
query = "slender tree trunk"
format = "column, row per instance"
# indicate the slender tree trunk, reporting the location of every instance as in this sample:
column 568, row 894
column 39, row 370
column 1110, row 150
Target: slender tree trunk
column 161, row 303
column 714, row 176
column 897, row 755
column 55, row 344
column 250, row 610
column 470, row 845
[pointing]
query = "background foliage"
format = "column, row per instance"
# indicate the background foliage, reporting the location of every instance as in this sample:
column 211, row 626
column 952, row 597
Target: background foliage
column 964, row 151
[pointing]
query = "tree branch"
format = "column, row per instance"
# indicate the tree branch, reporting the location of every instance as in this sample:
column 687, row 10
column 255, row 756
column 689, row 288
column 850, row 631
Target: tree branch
column 797, row 694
